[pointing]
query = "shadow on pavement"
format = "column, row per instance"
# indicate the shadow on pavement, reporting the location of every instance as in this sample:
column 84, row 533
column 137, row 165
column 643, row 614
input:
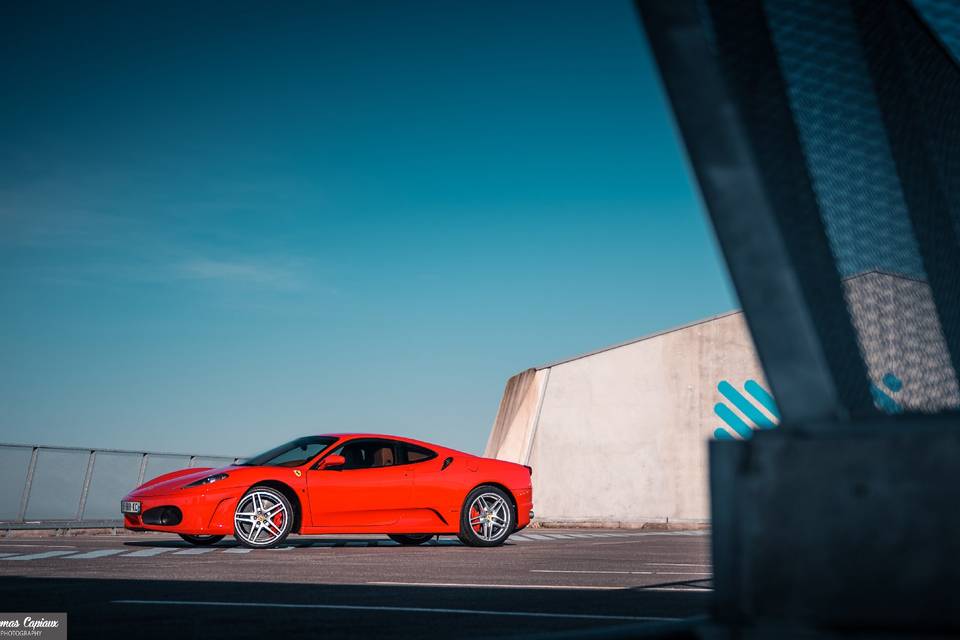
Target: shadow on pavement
column 301, row 543
column 100, row 608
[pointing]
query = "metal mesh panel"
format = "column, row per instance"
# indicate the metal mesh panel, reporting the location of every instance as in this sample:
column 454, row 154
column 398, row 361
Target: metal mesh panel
column 843, row 137
column 943, row 16
column 869, row 224
column 906, row 355
column 748, row 56
column 918, row 89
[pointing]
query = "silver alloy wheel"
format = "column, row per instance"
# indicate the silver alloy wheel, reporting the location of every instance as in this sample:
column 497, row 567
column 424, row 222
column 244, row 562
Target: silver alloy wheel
column 489, row 516
column 254, row 520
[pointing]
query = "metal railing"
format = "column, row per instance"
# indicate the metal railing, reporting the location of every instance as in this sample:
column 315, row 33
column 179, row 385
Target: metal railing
column 73, row 487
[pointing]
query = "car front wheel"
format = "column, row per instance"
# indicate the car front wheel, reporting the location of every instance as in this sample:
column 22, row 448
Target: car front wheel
column 263, row 518
column 487, row 517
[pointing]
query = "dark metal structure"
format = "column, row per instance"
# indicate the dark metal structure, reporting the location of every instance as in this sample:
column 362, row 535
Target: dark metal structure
column 825, row 137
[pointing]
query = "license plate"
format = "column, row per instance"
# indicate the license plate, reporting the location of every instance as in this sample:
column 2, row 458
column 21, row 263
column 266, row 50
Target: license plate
column 129, row 507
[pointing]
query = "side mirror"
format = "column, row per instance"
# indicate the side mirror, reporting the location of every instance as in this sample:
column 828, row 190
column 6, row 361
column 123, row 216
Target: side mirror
column 331, row 462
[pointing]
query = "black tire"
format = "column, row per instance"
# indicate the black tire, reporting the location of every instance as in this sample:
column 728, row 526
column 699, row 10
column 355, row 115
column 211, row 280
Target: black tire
column 410, row 540
column 201, row 541
column 269, row 498
column 504, row 527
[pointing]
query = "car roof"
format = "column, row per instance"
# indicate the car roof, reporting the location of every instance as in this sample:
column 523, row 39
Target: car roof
column 388, row 436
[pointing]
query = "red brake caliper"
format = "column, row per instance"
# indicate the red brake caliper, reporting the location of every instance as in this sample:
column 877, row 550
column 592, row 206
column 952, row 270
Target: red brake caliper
column 475, row 513
column 278, row 520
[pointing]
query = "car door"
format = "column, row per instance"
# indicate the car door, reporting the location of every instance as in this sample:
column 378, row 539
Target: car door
column 439, row 487
column 371, row 490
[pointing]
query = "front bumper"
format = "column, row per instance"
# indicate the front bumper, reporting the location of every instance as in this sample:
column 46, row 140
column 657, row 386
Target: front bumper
column 203, row 512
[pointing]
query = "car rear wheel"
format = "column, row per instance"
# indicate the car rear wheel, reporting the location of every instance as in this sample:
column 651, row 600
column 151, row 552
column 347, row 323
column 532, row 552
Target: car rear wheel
column 263, row 518
column 410, row 539
column 201, row 541
column 487, row 517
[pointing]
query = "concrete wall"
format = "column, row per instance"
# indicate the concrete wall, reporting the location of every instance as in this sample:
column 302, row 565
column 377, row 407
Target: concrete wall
column 512, row 433
column 620, row 436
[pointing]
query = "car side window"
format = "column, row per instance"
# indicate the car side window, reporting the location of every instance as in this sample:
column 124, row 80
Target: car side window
column 418, row 454
column 367, row 454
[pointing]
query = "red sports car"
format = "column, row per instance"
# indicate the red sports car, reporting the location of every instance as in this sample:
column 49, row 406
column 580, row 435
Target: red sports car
column 340, row 483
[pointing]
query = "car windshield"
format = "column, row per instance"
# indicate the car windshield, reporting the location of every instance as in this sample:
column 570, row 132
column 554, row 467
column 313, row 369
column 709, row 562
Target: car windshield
column 292, row 454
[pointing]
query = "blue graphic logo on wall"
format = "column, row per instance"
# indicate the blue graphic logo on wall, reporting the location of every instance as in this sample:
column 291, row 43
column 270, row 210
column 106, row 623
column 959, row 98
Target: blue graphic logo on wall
column 736, row 427
column 883, row 400
column 751, row 416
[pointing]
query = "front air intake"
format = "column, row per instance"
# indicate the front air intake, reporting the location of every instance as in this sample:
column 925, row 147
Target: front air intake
column 164, row 516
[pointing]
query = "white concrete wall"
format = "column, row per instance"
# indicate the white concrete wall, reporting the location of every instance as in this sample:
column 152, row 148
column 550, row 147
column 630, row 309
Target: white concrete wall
column 621, row 436
column 512, row 433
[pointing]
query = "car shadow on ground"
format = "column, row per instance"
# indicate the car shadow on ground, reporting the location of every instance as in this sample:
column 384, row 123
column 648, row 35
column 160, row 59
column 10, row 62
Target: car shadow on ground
column 300, row 543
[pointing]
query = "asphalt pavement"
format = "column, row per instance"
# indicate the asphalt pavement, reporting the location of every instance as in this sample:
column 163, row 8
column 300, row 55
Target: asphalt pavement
column 542, row 581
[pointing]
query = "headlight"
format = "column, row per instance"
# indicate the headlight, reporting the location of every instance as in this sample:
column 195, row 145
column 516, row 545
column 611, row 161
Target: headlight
column 207, row 480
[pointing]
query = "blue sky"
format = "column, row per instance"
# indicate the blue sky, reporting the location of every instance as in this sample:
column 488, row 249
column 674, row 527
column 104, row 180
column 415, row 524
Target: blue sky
column 221, row 229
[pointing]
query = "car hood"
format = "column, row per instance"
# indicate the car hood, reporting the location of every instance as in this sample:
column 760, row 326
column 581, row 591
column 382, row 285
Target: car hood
column 174, row 481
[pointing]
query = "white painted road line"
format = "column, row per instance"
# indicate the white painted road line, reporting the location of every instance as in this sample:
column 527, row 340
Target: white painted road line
column 99, row 553
column 472, row 585
column 148, row 553
column 40, row 556
column 42, row 546
column 77, row 554
column 352, row 607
